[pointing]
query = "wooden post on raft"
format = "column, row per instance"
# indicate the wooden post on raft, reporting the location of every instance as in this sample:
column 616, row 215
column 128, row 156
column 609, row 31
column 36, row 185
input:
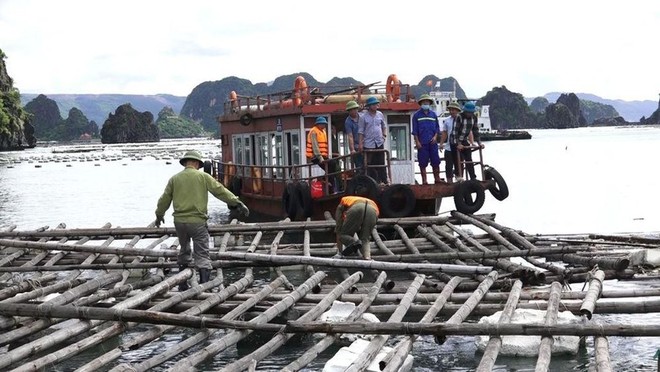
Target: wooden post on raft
column 393, row 361
column 495, row 343
column 545, row 349
column 280, row 338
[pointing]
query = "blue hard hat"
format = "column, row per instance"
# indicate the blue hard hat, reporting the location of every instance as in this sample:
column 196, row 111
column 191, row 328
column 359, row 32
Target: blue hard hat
column 469, row 107
column 372, row 101
column 321, row 120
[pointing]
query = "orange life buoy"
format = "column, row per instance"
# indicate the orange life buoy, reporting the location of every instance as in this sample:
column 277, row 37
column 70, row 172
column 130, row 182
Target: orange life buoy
column 393, row 88
column 300, row 91
column 233, row 99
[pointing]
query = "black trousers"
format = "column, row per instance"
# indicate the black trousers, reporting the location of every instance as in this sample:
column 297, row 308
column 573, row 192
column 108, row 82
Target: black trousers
column 377, row 172
column 466, row 155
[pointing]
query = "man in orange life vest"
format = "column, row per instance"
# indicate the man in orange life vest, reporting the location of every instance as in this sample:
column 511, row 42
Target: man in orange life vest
column 317, row 150
column 355, row 215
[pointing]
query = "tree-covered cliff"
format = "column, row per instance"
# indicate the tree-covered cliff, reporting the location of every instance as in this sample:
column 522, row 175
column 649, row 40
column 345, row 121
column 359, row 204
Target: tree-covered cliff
column 16, row 132
column 128, row 125
column 172, row 125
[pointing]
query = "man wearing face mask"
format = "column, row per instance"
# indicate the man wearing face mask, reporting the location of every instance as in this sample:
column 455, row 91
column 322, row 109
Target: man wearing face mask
column 426, row 130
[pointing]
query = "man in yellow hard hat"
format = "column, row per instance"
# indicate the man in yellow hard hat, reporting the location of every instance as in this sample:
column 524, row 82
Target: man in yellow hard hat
column 188, row 191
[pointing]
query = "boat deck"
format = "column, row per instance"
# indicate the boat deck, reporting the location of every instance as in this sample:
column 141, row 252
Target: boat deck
column 68, row 291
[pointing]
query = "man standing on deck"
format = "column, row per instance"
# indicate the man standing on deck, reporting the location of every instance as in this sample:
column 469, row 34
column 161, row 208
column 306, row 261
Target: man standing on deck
column 426, row 130
column 448, row 142
column 372, row 131
column 466, row 134
column 317, row 150
column 188, row 192
column 351, row 130
column 355, row 215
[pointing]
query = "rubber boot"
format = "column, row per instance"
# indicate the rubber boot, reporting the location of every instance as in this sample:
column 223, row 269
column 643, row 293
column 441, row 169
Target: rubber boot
column 183, row 286
column 423, row 173
column 204, row 275
column 436, row 174
column 351, row 249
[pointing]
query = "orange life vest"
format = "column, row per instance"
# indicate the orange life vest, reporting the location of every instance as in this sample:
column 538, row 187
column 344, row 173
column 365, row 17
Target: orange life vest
column 321, row 138
column 348, row 201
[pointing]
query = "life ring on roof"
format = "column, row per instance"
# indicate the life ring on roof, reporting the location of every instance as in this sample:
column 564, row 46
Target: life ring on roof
column 393, row 88
column 300, row 91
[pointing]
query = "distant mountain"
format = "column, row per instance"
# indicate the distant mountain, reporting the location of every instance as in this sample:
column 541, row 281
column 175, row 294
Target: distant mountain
column 97, row 107
column 632, row 111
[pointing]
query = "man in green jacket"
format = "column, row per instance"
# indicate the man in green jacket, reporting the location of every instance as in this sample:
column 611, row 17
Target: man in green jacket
column 188, row 191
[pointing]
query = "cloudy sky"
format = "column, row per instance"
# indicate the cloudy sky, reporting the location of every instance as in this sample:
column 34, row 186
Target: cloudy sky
column 607, row 48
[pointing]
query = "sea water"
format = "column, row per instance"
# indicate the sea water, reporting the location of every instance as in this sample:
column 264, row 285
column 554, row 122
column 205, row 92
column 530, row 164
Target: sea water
column 587, row 180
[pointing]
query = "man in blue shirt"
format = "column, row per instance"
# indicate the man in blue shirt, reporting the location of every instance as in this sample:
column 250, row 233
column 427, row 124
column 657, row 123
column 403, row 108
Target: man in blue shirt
column 426, row 130
column 352, row 136
column 372, row 131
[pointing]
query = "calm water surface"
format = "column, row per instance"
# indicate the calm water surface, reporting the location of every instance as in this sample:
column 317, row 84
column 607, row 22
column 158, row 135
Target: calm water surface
column 584, row 180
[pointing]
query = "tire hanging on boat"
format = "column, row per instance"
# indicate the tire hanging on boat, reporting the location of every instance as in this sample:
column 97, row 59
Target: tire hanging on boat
column 463, row 199
column 363, row 185
column 500, row 190
column 235, row 186
column 397, row 201
column 305, row 198
column 208, row 167
column 290, row 200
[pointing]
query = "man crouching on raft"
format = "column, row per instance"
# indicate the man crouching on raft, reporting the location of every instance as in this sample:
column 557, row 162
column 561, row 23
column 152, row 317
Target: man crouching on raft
column 355, row 214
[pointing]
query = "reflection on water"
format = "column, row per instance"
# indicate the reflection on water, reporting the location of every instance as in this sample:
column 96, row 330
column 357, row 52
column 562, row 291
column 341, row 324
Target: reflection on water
column 570, row 181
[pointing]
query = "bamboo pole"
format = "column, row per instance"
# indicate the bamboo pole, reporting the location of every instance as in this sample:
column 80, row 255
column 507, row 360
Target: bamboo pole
column 328, row 340
column 486, row 226
column 25, row 285
column 445, row 248
column 393, row 361
column 35, row 259
column 223, row 248
column 389, row 284
column 156, row 332
column 369, row 353
column 602, row 351
column 545, row 348
column 411, row 247
column 151, row 232
column 24, row 351
column 233, row 337
column 626, row 239
column 495, row 343
column 281, row 338
column 595, row 287
column 273, row 251
column 113, row 329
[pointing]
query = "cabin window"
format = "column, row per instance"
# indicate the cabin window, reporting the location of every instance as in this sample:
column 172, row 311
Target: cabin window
column 238, row 150
column 263, row 153
column 247, row 150
column 293, row 147
column 399, row 141
column 277, row 155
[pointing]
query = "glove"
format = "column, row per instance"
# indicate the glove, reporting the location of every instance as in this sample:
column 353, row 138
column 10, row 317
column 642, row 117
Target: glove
column 243, row 209
column 159, row 220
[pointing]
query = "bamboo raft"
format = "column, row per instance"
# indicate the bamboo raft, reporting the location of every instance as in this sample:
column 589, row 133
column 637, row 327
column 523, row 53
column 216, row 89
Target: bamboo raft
column 112, row 292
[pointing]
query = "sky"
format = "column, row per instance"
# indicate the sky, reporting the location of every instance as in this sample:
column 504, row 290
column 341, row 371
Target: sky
column 607, row 48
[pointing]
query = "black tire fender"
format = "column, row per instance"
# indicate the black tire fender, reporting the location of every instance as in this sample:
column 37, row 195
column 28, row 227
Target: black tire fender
column 305, row 198
column 290, row 200
column 363, row 185
column 235, row 186
column 500, row 191
column 208, row 167
column 397, row 201
column 463, row 199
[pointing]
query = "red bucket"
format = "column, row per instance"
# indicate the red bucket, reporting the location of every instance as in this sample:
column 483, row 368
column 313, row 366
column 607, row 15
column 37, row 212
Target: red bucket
column 316, row 189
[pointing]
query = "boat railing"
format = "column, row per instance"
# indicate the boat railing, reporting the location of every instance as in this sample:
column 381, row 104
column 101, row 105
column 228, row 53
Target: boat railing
column 476, row 162
column 269, row 180
column 326, row 94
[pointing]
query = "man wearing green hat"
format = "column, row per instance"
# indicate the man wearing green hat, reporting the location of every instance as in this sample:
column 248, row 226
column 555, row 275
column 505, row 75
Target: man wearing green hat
column 426, row 130
column 188, row 192
column 351, row 131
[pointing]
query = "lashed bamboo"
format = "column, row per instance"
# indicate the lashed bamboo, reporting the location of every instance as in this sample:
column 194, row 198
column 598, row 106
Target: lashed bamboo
column 328, row 340
column 91, row 257
column 376, row 344
column 545, row 348
column 25, row 285
column 393, row 361
column 613, row 263
column 529, row 274
column 113, row 329
column 158, row 331
column 389, row 284
column 406, row 241
column 595, row 287
column 264, row 317
column 309, row 269
column 151, row 232
column 223, row 248
column 80, row 326
column 626, row 239
column 602, row 351
column 37, row 258
column 118, row 291
column 280, row 338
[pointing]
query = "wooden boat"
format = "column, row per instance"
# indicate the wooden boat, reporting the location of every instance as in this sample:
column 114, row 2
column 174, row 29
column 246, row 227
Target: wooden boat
column 263, row 155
